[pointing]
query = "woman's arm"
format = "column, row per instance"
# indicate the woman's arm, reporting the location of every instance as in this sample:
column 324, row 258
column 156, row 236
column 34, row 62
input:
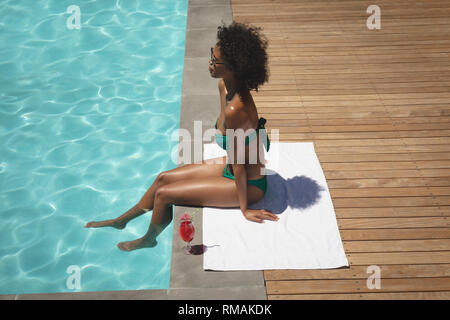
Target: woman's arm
column 240, row 177
column 234, row 120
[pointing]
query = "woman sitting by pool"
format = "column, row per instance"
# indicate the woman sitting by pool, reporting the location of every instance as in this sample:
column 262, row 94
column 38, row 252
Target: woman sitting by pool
column 239, row 59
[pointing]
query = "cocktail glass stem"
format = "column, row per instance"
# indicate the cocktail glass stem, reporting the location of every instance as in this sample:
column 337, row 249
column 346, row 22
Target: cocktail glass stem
column 187, row 248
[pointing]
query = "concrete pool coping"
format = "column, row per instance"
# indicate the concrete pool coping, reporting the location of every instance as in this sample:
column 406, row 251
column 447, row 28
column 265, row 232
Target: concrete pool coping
column 199, row 102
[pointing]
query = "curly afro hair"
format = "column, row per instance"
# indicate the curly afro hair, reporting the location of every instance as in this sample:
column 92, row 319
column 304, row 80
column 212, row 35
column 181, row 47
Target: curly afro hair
column 243, row 49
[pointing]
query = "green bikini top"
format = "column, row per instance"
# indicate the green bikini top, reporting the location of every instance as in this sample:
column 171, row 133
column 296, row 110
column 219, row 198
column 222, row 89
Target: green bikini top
column 222, row 140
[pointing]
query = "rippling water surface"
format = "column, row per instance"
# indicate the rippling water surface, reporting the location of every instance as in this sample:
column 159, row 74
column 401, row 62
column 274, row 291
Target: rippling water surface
column 85, row 122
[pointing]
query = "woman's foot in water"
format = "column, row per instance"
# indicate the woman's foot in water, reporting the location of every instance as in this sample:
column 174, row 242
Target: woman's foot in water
column 137, row 244
column 106, row 223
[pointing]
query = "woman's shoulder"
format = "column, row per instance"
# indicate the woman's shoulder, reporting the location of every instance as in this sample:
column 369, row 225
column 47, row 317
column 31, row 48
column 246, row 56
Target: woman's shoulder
column 236, row 114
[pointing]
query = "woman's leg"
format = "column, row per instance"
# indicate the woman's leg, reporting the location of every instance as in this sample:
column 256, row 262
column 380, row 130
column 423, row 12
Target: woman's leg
column 208, row 168
column 213, row 191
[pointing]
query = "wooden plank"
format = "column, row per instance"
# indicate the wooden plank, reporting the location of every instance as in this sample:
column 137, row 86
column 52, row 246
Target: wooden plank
column 383, row 202
column 357, row 115
column 384, row 192
column 352, row 106
column 419, row 113
column 393, row 192
column 381, row 142
column 388, row 223
column 378, row 258
column 440, row 127
column 374, row 134
column 391, row 182
column 444, row 172
column 373, row 174
column 433, row 163
column 343, row 213
column 430, row 156
column 413, row 95
column 392, row 234
column 381, row 149
column 374, row 157
column 374, row 165
column 437, row 295
column 283, row 116
column 397, row 245
column 351, row 286
column 341, row 58
column 440, row 191
column 370, row 134
column 362, row 272
column 291, row 125
column 353, row 128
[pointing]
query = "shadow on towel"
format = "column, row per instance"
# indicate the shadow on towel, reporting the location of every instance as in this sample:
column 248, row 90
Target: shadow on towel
column 298, row 192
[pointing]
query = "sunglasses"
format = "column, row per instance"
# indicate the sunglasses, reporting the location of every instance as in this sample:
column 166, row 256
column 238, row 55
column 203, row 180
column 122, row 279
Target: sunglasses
column 213, row 59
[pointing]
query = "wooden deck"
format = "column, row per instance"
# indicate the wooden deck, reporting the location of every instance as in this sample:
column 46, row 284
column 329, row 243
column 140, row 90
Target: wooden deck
column 376, row 104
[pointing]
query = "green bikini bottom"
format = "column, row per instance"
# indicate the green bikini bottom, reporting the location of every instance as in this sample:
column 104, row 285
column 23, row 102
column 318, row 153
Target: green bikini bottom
column 260, row 183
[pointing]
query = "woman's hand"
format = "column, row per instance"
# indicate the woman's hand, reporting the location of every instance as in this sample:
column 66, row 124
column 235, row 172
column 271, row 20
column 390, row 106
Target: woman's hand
column 259, row 215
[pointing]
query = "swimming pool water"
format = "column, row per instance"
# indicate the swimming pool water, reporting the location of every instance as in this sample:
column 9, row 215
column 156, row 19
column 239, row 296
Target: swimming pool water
column 85, row 122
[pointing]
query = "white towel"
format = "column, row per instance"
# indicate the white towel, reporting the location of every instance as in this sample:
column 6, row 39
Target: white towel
column 305, row 237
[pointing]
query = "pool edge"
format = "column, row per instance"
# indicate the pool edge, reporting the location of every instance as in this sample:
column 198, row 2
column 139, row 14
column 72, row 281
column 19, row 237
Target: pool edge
column 200, row 101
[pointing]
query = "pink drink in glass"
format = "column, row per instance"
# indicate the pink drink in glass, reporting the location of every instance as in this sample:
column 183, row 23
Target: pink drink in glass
column 187, row 231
